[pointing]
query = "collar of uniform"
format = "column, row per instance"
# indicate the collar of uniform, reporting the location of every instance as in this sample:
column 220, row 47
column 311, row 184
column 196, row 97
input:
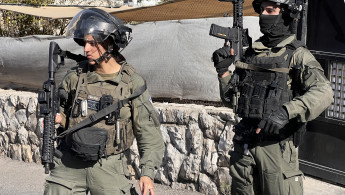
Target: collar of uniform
column 259, row 46
column 93, row 77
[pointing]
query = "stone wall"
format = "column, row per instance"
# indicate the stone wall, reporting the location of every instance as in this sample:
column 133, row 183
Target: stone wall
column 20, row 133
column 197, row 139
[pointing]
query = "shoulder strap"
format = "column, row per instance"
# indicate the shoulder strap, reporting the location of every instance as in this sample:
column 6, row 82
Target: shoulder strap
column 96, row 116
column 295, row 44
column 243, row 65
column 291, row 46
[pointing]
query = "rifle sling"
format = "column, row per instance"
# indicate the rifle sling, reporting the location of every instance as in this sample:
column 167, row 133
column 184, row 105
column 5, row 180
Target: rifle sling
column 94, row 117
column 243, row 65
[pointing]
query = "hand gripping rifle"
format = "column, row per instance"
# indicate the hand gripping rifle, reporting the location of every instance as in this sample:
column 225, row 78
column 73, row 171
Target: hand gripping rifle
column 49, row 105
column 235, row 37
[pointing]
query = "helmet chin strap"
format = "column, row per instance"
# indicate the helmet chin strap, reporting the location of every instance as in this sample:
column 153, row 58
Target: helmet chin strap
column 106, row 56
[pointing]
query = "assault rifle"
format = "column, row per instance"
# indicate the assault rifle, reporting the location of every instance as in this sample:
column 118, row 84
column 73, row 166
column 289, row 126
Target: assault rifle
column 49, row 105
column 235, row 37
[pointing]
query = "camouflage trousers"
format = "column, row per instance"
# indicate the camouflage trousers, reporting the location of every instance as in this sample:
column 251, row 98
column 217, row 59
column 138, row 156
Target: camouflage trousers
column 269, row 168
column 70, row 175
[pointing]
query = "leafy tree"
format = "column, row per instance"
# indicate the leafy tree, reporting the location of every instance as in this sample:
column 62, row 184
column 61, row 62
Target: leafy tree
column 18, row 25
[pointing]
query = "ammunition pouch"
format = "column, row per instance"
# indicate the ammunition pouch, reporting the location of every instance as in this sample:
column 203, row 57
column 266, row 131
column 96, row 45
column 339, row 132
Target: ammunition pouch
column 273, row 100
column 244, row 100
column 105, row 101
column 257, row 101
column 89, row 143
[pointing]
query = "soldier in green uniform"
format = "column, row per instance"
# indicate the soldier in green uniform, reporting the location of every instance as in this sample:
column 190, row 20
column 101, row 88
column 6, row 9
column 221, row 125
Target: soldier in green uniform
column 275, row 88
column 102, row 80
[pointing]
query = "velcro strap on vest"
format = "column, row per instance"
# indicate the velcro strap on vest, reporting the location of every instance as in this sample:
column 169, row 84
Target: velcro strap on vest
column 243, row 65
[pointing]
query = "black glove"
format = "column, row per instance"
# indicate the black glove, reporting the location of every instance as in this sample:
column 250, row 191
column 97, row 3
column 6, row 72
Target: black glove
column 274, row 122
column 222, row 59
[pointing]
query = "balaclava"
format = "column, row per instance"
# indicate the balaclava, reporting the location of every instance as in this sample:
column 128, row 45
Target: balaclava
column 275, row 29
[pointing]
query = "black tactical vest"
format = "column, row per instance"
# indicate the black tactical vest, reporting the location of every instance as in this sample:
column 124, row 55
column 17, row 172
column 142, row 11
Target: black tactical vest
column 263, row 82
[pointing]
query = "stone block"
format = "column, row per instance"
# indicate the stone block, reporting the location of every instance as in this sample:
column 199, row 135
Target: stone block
column 32, row 105
column 190, row 168
column 11, row 136
column 209, row 157
column 15, row 151
column 33, row 139
column 223, row 180
column 4, row 141
column 21, row 116
column 177, row 136
column 23, row 135
column 3, row 124
column 207, row 186
column 26, row 153
column 36, row 155
column 31, row 123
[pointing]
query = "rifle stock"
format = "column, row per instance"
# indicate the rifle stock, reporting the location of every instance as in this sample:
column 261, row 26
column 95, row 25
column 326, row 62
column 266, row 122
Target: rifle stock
column 49, row 105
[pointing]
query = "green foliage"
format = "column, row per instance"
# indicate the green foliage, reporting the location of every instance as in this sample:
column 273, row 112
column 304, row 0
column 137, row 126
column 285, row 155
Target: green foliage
column 17, row 25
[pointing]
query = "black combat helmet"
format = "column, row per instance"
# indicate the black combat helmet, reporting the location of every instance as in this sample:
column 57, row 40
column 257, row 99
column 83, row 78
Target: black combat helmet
column 293, row 7
column 100, row 25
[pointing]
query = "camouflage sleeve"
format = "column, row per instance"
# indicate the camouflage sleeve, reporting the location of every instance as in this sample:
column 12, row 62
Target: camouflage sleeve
column 147, row 131
column 317, row 92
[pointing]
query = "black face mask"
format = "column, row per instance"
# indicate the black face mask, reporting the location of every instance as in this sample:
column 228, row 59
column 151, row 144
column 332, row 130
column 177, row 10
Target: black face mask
column 274, row 28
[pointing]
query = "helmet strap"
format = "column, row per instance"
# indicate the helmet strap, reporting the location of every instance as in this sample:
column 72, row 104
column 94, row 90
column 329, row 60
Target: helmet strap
column 106, row 55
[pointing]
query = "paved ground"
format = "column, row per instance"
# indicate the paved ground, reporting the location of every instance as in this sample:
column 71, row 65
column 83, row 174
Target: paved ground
column 19, row 178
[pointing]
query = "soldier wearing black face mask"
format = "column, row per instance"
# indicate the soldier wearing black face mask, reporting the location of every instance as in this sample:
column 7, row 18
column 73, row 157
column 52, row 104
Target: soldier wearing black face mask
column 275, row 28
column 276, row 88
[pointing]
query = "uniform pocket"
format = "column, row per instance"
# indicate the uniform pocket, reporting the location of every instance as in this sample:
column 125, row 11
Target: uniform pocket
column 241, row 170
column 272, row 183
column 55, row 185
column 115, row 189
column 118, row 164
column 293, row 184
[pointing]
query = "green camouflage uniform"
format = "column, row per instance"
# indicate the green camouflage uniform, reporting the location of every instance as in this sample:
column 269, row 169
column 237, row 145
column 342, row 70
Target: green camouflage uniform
column 269, row 166
column 110, row 175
